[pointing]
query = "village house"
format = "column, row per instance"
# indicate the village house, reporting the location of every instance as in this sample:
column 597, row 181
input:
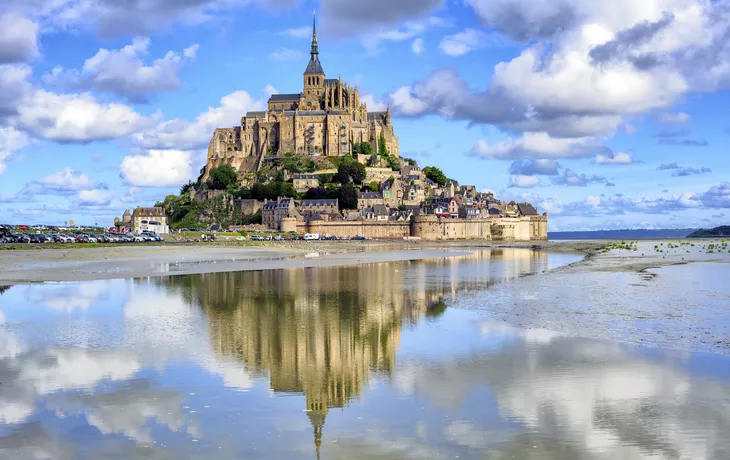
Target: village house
column 303, row 182
column 526, row 209
column 369, row 199
column 414, row 195
column 275, row 211
column 322, row 207
column 392, row 193
column 469, row 211
column 152, row 219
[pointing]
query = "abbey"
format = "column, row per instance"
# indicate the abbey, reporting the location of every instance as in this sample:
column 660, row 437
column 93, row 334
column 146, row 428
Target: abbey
column 326, row 119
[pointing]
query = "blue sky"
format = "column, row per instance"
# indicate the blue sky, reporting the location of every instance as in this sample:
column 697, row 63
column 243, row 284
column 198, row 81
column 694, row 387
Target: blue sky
column 605, row 115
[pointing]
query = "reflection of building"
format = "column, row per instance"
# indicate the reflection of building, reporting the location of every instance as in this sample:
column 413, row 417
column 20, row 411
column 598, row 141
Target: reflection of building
column 322, row 332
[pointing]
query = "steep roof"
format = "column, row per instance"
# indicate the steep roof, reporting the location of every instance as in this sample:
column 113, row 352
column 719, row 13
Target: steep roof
column 314, row 66
column 284, row 97
column 526, row 209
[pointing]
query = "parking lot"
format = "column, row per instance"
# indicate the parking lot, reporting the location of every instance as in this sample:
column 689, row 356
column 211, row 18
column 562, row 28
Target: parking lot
column 15, row 235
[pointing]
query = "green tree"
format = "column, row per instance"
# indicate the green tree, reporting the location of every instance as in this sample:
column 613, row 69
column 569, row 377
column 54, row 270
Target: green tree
column 402, row 207
column 436, row 175
column 350, row 171
column 185, row 189
column 373, row 186
column 382, row 148
column 348, row 197
column 222, row 177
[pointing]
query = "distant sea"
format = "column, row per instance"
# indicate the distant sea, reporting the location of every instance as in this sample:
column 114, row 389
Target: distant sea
column 621, row 234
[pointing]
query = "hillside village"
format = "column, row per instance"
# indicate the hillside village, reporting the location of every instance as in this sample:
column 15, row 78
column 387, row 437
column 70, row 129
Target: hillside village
column 319, row 158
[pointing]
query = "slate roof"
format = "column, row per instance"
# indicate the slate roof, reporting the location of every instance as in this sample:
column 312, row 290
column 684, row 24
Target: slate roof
column 306, row 176
column 316, row 203
column 370, row 195
column 380, row 210
column 376, row 116
column 284, row 97
column 314, row 66
column 255, row 114
column 526, row 209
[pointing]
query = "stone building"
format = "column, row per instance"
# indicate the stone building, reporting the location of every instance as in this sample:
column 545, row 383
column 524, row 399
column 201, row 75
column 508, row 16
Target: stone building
column 311, row 208
column 142, row 219
column 303, row 182
column 275, row 211
column 369, row 199
column 325, row 119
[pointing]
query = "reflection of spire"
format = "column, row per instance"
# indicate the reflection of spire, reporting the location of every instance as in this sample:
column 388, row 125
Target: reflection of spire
column 317, row 418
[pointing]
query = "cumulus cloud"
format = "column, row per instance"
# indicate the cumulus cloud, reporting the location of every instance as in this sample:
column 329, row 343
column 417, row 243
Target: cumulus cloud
column 11, row 140
column 157, row 168
column 63, row 182
column 681, row 171
column 186, row 135
column 14, row 88
column 534, row 167
column 406, row 31
column 287, row 55
column 685, row 142
column 123, row 72
column 522, row 181
column 18, row 38
column 349, row 18
column 298, row 32
column 417, row 46
column 672, row 133
column 78, row 118
column 470, row 40
column 537, row 146
column 617, row 158
column 669, row 118
column 587, row 67
column 573, row 179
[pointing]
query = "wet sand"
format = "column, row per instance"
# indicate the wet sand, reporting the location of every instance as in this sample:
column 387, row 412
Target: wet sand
column 85, row 264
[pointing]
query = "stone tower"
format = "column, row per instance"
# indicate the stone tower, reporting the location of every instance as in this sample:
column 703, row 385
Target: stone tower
column 314, row 75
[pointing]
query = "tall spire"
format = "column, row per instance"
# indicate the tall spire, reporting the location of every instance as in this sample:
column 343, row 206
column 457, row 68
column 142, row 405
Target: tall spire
column 315, row 47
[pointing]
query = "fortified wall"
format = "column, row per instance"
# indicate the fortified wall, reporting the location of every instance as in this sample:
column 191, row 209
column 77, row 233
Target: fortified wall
column 430, row 228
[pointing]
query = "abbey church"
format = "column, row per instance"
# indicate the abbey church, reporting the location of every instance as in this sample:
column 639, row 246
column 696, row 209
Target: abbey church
column 326, row 119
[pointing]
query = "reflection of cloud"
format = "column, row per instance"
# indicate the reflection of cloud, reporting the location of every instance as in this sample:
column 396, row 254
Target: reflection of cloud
column 531, row 336
column 67, row 297
column 128, row 411
column 26, row 377
column 599, row 398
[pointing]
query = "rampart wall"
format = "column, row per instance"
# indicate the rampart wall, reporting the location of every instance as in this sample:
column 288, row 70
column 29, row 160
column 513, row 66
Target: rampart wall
column 430, row 228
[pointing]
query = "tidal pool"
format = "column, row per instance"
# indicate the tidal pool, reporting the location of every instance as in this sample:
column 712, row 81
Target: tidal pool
column 366, row 362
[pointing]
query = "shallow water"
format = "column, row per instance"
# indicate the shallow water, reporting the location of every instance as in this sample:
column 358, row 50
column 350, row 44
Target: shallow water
column 341, row 362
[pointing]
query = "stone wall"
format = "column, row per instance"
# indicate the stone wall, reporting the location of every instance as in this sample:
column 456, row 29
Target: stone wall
column 430, row 228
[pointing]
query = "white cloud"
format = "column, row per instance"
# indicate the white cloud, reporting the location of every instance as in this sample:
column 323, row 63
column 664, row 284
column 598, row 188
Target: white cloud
column 521, row 181
column 536, row 146
column 11, row 140
column 95, row 197
column 406, row 103
column 287, row 55
column 350, row 18
column 18, row 38
column 407, row 31
column 299, row 32
column 617, row 158
column 185, row 135
column 373, row 105
column 124, row 73
column 158, row 168
column 678, row 118
column 417, row 46
column 66, row 180
column 77, row 118
column 470, row 40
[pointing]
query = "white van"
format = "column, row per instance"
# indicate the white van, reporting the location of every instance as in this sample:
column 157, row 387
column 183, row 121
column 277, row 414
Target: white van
column 311, row 236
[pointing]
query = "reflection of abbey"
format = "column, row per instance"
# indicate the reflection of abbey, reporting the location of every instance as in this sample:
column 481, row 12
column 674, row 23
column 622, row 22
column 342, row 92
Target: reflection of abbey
column 325, row 333
column 326, row 119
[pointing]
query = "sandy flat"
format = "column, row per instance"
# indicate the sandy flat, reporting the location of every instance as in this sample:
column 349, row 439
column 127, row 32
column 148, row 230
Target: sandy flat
column 79, row 264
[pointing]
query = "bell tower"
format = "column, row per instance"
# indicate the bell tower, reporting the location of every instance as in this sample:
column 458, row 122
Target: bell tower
column 314, row 75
